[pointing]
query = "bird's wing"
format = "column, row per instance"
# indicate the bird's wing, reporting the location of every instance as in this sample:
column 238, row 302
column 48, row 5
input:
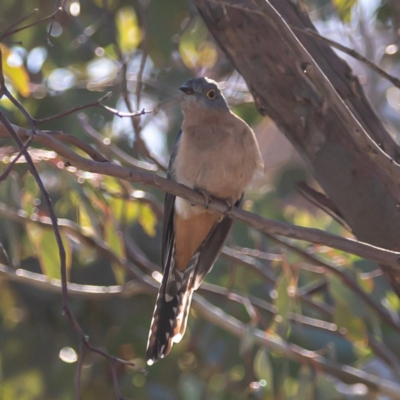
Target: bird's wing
column 163, row 326
column 169, row 204
column 211, row 247
column 189, row 249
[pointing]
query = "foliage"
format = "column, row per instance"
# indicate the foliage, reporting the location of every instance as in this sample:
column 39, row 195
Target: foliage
column 92, row 43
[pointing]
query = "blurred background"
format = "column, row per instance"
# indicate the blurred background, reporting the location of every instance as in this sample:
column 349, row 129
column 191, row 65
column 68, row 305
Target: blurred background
column 141, row 52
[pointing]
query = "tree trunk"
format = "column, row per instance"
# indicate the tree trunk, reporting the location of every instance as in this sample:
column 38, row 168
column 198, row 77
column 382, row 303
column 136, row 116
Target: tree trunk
column 275, row 62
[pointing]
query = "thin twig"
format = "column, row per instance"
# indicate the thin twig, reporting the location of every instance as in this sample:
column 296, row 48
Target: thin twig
column 395, row 81
column 138, row 196
column 47, row 199
column 4, row 175
column 53, row 218
column 220, row 318
column 115, row 380
column 132, row 114
column 96, row 103
column 38, row 22
column 62, row 5
column 80, row 144
column 383, row 313
column 75, row 231
column 114, row 150
column 78, row 372
column 316, row 236
column 91, row 292
column 19, row 22
column 135, row 125
column 73, row 110
column 294, row 352
column 318, row 81
column 139, row 80
column 134, row 253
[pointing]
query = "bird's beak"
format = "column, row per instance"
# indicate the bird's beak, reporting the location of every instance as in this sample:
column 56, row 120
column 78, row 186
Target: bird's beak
column 186, row 89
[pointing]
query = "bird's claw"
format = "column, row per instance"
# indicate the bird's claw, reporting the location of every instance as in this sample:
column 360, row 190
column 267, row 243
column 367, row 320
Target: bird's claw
column 207, row 198
column 229, row 205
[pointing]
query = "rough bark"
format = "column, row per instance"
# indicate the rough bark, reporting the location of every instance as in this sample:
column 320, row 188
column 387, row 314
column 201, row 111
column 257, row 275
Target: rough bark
column 275, row 62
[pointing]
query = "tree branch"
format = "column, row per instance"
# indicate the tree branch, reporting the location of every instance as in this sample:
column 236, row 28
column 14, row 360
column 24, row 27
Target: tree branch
column 364, row 250
column 346, row 373
column 319, row 104
column 218, row 317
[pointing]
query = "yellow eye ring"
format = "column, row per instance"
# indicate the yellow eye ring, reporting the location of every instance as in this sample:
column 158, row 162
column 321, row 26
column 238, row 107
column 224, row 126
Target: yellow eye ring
column 211, row 94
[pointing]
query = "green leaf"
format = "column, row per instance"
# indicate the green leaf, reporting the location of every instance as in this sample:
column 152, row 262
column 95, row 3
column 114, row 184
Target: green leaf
column 8, row 303
column 18, row 76
column 114, row 239
column 355, row 327
column 367, row 284
column 47, row 250
column 325, row 389
column 283, row 302
column 263, row 369
column 85, row 222
column 247, row 341
column 111, row 184
column 129, row 33
column 164, row 23
column 148, row 220
column 118, row 208
column 26, row 385
column 393, row 301
column 248, row 112
column 306, row 383
column 29, row 193
column 344, row 8
column 195, row 50
column 342, row 294
column 290, row 387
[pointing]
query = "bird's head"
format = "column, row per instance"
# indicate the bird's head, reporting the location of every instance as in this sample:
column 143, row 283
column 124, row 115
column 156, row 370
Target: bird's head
column 203, row 92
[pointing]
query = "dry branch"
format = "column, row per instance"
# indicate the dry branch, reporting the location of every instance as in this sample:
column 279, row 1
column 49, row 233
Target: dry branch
column 364, row 250
column 218, row 317
column 315, row 99
column 316, row 236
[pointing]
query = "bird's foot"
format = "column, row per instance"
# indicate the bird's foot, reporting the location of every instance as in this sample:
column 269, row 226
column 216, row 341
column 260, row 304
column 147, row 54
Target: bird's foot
column 228, row 204
column 207, row 198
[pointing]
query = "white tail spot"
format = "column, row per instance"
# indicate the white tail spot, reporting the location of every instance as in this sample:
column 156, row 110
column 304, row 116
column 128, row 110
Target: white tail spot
column 177, row 338
column 168, row 298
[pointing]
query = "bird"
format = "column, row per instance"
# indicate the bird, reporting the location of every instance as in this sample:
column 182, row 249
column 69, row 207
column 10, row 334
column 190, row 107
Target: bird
column 217, row 154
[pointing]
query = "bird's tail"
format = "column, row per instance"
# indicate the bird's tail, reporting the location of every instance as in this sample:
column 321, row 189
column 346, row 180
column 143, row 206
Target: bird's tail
column 169, row 322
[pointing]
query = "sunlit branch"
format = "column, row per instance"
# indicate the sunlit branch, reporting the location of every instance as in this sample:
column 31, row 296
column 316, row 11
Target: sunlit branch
column 314, row 77
column 316, row 236
column 145, row 152
column 53, row 218
column 10, row 166
column 274, row 343
column 76, row 232
column 395, row 81
column 13, row 28
column 327, row 266
column 97, row 103
column 218, row 317
column 112, row 149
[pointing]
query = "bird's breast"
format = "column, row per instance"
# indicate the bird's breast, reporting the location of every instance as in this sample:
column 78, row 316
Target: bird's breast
column 217, row 164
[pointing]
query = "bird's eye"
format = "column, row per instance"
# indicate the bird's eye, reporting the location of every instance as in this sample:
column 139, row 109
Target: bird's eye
column 211, row 94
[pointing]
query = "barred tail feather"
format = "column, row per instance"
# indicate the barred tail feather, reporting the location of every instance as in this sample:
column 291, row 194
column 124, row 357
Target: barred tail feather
column 169, row 323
